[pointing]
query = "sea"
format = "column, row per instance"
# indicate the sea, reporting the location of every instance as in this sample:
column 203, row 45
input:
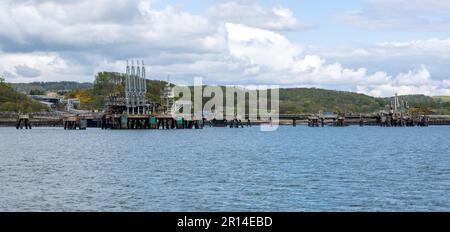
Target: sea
column 298, row 169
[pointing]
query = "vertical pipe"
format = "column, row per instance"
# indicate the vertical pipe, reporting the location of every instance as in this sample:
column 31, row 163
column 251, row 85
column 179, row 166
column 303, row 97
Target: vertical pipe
column 138, row 87
column 127, row 88
column 144, row 77
column 133, row 85
column 395, row 103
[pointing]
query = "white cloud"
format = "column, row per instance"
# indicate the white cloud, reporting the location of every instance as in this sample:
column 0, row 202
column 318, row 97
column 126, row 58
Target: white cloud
column 255, row 15
column 418, row 77
column 395, row 57
column 411, row 15
column 72, row 40
column 435, row 47
column 99, row 25
column 262, row 47
column 415, row 81
column 309, row 64
column 276, row 52
column 39, row 67
column 26, row 71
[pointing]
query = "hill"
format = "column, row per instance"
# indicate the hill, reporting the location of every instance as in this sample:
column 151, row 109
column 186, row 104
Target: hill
column 11, row 100
column 292, row 100
column 442, row 99
column 42, row 87
column 304, row 100
column 443, row 104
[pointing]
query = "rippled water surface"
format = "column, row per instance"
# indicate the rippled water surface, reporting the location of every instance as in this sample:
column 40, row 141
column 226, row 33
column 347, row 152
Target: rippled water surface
column 223, row 169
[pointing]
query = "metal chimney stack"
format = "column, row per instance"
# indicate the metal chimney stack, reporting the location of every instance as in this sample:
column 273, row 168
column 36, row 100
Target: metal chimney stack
column 136, row 88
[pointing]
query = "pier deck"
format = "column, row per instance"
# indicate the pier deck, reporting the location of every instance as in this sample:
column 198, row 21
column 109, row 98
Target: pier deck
column 147, row 121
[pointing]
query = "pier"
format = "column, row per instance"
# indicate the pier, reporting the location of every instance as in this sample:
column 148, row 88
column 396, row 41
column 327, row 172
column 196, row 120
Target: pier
column 23, row 120
column 131, row 109
column 73, row 122
column 123, row 121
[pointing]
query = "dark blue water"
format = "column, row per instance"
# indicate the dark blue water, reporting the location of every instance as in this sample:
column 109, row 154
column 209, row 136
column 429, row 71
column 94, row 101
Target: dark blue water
column 223, row 169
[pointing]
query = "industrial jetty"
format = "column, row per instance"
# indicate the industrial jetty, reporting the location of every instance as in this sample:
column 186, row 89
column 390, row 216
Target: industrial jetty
column 131, row 109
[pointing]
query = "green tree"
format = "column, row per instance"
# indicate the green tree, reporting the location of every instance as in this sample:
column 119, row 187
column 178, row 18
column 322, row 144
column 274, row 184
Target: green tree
column 36, row 92
column 11, row 100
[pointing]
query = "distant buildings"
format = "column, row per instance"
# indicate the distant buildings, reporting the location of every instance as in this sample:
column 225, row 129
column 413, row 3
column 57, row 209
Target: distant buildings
column 48, row 100
column 53, row 101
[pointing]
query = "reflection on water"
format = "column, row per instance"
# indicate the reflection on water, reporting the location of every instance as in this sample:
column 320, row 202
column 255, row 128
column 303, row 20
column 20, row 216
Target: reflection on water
column 223, row 169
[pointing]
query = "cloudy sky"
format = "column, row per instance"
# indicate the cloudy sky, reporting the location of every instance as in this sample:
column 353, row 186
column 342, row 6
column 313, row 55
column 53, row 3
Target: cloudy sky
column 376, row 47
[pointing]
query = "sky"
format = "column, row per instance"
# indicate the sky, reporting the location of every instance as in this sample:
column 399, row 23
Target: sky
column 375, row 47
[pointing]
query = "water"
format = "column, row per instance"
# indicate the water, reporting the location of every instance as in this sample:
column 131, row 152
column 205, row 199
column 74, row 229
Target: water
column 223, row 169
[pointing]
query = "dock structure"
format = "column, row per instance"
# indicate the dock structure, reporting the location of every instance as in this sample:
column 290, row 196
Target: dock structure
column 168, row 97
column 438, row 120
column 392, row 120
column 397, row 116
column 377, row 119
column 136, row 89
column 23, row 120
column 313, row 121
column 123, row 121
column 382, row 119
column 324, row 119
column 166, row 121
column 340, row 122
column 132, row 109
column 236, row 123
column 74, row 122
column 219, row 122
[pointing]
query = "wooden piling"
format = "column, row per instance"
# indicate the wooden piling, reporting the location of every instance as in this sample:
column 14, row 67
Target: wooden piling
column 23, row 120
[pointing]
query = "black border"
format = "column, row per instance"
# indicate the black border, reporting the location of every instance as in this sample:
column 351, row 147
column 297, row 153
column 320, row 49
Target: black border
column 280, row 221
